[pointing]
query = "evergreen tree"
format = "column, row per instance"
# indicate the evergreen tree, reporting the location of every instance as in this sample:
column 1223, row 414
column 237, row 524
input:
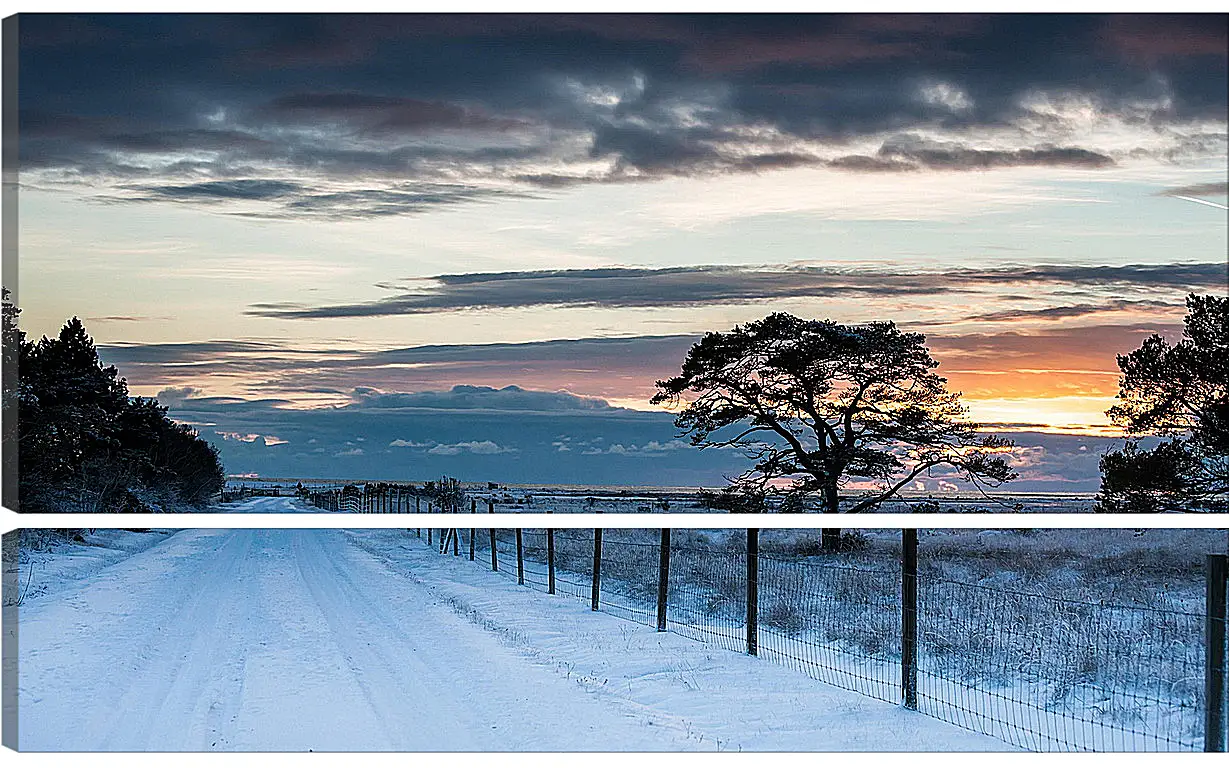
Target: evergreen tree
column 1179, row 391
column 84, row 445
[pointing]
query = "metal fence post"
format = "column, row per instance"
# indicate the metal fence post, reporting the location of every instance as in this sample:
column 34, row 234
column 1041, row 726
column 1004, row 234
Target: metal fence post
column 456, row 542
column 1214, row 650
column 428, row 530
column 663, row 579
column 908, row 617
column 597, row 566
column 520, row 558
column 753, row 591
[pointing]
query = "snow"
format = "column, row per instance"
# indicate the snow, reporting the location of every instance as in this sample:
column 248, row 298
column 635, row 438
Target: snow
column 50, row 571
column 255, row 505
column 369, row 640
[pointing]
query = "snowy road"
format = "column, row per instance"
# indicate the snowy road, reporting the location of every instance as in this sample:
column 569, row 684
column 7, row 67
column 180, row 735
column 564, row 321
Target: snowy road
column 367, row 640
column 265, row 505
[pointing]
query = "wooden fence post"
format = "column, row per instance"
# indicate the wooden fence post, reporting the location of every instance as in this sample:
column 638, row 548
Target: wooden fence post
column 520, row 558
column 428, row 532
column 1214, row 650
column 663, row 579
column 550, row 560
column 473, row 507
column 597, row 567
column 908, row 617
column 456, row 534
column 753, row 591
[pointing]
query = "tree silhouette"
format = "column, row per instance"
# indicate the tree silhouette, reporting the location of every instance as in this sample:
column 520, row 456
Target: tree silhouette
column 837, row 402
column 1179, row 391
column 84, row 445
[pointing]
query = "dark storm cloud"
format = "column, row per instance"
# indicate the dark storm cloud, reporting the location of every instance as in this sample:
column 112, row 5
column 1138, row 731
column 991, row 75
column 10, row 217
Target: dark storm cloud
column 676, row 286
column 508, row 103
column 381, row 114
column 239, row 189
column 953, row 156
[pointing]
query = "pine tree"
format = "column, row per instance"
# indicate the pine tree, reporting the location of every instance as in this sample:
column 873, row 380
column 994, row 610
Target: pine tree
column 85, row 445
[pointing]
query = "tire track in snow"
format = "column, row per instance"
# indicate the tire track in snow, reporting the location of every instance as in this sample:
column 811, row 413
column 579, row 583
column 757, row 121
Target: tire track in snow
column 173, row 683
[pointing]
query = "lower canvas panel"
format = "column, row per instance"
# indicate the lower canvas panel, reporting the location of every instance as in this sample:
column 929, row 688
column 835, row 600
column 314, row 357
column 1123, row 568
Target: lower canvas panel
column 381, row 639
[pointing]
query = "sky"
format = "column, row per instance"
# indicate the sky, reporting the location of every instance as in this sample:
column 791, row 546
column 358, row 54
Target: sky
column 399, row 246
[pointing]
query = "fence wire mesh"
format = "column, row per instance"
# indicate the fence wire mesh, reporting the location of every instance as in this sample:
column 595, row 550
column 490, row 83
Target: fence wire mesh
column 841, row 625
column 1052, row 674
column 1039, row 672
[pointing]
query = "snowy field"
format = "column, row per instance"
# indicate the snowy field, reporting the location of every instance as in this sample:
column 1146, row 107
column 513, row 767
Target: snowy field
column 367, row 640
column 512, row 499
column 1052, row 640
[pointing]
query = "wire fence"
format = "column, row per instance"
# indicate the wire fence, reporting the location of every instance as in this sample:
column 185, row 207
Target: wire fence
column 1039, row 672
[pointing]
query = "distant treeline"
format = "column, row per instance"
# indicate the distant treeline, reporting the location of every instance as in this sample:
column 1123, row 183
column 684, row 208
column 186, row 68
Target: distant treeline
column 84, row 445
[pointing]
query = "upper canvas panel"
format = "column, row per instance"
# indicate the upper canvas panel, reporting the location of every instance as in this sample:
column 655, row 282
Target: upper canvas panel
column 397, row 248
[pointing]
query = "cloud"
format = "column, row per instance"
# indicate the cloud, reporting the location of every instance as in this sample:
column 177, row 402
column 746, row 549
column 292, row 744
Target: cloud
column 651, row 448
column 480, row 447
column 311, row 116
column 613, row 446
column 679, row 286
column 236, row 189
column 1075, row 310
column 177, row 395
column 122, row 319
column 296, row 200
column 121, row 353
column 467, row 397
column 1048, row 326
column 399, row 443
column 512, row 445
column 374, row 115
column 1210, row 189
column 911, row 153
